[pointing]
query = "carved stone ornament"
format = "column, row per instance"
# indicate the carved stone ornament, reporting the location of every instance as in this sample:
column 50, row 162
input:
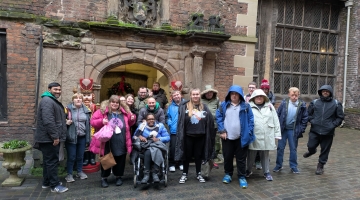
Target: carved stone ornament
column 142, row 12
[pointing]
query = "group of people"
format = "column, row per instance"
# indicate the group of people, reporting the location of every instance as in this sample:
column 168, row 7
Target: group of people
column 242, row 126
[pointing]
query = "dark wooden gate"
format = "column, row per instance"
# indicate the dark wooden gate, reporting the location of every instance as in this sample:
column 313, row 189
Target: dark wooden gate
column 3, row 81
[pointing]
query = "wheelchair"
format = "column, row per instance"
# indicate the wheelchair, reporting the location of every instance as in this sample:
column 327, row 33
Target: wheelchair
column 139, row 169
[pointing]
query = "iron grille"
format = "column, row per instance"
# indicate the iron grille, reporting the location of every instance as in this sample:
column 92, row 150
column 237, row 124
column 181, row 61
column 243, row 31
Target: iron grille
column 305, row 45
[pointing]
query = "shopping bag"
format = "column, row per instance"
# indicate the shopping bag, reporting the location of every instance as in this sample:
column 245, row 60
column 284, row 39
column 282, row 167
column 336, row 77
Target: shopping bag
column 104, row 134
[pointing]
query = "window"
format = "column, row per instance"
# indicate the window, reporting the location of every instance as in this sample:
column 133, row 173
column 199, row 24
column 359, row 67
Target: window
column 305, row 45
column 3, row 82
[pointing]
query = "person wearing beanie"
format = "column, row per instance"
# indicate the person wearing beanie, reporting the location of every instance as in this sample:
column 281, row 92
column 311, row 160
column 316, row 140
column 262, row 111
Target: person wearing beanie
column 265, row 86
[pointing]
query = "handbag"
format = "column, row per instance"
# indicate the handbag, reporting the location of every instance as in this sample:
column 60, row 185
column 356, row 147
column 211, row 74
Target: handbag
column 107, row 161
column 206, row 168
column 104, row 134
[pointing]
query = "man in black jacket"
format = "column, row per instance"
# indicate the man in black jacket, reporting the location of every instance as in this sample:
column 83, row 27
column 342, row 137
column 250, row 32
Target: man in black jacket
column 325, row 114
column 159, row 95
column 50, row 131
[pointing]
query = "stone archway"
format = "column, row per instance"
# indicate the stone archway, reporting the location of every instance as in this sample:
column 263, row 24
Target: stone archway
column 171, row 64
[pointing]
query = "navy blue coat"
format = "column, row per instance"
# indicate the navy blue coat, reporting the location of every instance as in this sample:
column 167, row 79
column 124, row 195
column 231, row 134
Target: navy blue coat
column 301, row 117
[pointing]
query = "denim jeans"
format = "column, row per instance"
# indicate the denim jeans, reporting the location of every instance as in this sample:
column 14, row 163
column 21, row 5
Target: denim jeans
column 75, row 152
column 293, row 143
column 50, row 163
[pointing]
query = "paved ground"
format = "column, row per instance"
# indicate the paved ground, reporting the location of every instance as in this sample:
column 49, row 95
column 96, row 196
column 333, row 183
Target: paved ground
column 340, row 180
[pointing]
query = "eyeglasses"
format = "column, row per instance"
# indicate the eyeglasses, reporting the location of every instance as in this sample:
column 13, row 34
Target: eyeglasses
column 151, row 119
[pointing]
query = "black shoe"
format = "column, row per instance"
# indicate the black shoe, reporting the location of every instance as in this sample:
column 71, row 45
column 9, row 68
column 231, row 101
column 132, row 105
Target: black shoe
column 92, row 158
column 155, row 177
column 307, row 154
column 319, row 169
column 118, row 181
column 86, row 158
column 104, row 183
column 146, row 177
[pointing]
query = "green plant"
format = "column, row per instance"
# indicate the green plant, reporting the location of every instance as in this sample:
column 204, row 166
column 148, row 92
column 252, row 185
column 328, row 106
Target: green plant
column 15, row 144
column 38, row 172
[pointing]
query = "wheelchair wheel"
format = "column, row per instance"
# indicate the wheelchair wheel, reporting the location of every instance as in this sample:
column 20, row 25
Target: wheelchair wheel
column 135, row 181
column 165, row 180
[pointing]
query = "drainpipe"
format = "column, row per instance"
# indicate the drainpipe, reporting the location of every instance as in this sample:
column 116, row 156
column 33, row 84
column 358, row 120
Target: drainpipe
column 38, row 75
column 348, row 4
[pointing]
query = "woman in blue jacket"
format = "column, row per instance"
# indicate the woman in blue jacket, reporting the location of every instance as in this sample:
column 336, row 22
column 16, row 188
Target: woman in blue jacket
column 152, row 134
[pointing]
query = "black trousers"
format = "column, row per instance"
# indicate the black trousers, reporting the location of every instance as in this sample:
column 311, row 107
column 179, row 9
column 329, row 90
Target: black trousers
column 325, row 142
column 193, row 147
column 231, row 148
column 172, row 151
column 50, row 163
column 118, row 169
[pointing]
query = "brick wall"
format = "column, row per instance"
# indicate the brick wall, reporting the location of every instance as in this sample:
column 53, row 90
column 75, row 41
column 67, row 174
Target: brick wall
column 68, row 10
column 225, row 69
column 28, row 6
column 22, row 40
column 75, row 10
column 180, row 10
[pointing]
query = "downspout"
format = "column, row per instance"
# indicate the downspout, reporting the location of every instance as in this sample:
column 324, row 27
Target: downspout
column 38, row 75
column 348, row 4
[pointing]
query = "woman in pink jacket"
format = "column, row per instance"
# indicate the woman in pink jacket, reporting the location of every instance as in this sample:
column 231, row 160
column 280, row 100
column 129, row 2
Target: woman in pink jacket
column 118, row 115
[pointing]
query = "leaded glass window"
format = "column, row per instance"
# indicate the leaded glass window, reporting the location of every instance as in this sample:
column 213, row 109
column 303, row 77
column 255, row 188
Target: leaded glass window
column 305, row 45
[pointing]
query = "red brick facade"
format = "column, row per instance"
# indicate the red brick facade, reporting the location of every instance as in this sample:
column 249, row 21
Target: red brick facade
column 23, row 40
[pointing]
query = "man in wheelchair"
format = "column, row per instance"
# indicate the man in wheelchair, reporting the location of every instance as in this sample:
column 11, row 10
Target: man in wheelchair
column 152, row 136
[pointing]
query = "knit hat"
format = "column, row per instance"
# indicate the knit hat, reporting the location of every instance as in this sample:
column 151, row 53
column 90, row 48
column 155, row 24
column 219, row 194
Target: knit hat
column 265, row 84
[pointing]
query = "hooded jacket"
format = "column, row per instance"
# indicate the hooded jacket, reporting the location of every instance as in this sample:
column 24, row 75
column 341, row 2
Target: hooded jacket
column 71, row 136
column 301, row 117
column 172, row 116
column 325, row 113
column 51, row 120
column 212, row 104
column 210, row 134
column 266, row 124
column 246, row 117
column 158, row 112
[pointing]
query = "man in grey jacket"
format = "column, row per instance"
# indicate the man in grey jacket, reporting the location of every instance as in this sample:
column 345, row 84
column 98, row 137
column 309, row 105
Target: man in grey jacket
column 325, row 114
column 50, row 131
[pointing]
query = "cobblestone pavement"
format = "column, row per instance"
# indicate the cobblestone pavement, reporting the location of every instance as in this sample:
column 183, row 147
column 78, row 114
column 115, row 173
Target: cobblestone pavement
column 340, row 180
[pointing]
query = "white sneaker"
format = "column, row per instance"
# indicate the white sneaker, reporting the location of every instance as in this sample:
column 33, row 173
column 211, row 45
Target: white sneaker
column 69, row 178
column 172, row 169
column 200, row 178
column 183, row 178
column 81, row 175
column 181, row 167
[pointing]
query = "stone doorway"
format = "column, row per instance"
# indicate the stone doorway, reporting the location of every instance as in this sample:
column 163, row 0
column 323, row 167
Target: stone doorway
column 135, row 75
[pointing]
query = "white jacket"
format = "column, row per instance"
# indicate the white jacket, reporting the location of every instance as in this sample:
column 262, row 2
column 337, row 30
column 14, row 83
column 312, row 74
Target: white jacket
column 266, row 124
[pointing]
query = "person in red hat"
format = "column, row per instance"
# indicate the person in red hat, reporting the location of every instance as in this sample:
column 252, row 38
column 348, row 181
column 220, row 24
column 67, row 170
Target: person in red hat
column 265, row 86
